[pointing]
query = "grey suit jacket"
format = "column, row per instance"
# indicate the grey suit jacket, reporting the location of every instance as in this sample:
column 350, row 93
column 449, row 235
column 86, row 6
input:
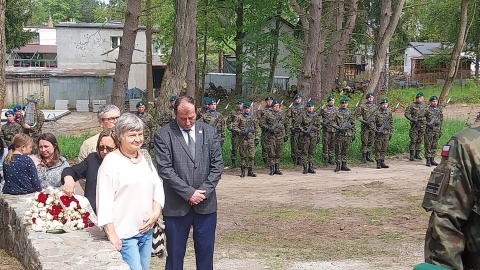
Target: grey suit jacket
column 182, row 174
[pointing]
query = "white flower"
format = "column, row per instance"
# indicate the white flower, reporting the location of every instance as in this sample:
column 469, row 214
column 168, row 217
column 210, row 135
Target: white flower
column 49, row 216
column 49, row 200
column 34, row 209
column 80, row 225
column 73, row 205
column 35, row 215
column 28, row 213
column 42, row 214
column 40, row 205
column 49, row 224
column 37, row 228
column 29, row 201
column 82, row 211
column 40, row 221
column 60, row 215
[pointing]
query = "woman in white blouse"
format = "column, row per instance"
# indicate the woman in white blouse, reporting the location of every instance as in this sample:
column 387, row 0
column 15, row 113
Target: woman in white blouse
column 130, row 194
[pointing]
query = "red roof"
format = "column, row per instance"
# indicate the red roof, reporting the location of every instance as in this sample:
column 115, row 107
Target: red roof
column 31, row 48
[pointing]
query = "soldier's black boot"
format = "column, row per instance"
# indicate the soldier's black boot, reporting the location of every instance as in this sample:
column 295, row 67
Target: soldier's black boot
column 367, row 157
column 233, row 163
column 325, row 161
column 250, row 172
column 383, row 165
column 378, row 164
column 242, row 171
column 310, row 168
column 331, row 160
column 344, row 166
column 432, row 161
column 277, row 169
column 337, row 168
column 428, row 163
column 417, row 154
column 412, row 155
column 364, row 157
column 305, row 171
column 272, row 169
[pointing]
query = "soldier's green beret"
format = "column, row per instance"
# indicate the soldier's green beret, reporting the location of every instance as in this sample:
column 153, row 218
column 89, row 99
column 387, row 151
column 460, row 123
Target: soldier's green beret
column 384, row 100
column 369, row 95
column 247, row 104
column 239, row 101
column 297, row 95
column 433, row 98
column 419, row 94
column 331, row 97
column 269, row 98
column 212, row 100
column 206, row 100
column 344, row 100
column 172, row 98
column 309, row 103
column 275, row 102
column 9, row 112
column 140, row 103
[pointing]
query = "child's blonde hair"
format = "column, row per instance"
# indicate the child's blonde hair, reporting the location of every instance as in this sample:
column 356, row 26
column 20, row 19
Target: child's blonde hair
column 18, row 141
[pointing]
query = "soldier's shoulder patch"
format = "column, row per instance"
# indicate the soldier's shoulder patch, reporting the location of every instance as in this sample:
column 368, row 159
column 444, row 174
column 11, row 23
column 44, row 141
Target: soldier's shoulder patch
column 445, row 150
column 437, row 183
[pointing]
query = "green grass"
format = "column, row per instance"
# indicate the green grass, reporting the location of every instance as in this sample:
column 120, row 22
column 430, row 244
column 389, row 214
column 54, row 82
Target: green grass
column 70, row 145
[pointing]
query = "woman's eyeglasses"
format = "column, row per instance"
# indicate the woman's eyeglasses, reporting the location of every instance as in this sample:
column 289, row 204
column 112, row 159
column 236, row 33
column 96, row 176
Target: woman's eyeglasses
column 110, row 119
column 104, row 147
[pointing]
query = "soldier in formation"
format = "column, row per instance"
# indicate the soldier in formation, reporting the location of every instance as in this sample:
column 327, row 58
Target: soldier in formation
column 365, row 114
column 277, row 131
column 148, row 122
column 415, row 112
column 204, row 109
column 345, row 126
column 10, row 128
column 383, row 122
column 246, row 126
column 433, row 131
column 308, row 123
column 292, row 114
column 261, row 114
column 235, row 136
column 215, row 119
column 328, row 113
column 167, row 115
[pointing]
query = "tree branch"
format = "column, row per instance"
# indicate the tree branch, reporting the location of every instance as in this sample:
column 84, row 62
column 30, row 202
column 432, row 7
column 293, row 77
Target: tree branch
column 301, row 14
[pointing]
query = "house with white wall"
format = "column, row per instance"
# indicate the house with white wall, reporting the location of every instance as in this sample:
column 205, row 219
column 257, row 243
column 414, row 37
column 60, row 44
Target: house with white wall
column 417, row 51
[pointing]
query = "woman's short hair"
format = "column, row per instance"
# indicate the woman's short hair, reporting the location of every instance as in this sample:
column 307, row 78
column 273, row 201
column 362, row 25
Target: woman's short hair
column 127, row 122
column 56, row 152
column 106, row 108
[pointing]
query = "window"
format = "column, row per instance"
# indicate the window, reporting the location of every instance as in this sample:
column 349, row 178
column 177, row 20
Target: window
column 35, row 39
column 116, row 42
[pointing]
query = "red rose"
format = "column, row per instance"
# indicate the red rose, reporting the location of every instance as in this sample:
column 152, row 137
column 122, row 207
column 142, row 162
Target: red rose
column 33, row 220
column 56, row 209
column 90, row 224
column 65, row 200
column 42, row 197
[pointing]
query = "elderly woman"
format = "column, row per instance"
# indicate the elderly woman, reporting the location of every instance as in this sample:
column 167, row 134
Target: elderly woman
column 129, row 194
column 88, row 168
column 49, row 162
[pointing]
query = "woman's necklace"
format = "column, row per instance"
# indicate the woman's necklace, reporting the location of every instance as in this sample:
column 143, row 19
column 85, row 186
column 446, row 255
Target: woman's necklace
column 134, row 160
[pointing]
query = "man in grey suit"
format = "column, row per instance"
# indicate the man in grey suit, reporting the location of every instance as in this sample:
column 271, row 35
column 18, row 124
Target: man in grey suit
column 189, row 160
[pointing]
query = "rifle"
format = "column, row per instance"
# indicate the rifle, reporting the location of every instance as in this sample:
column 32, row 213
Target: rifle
column 226, row 107
column 384, row 125
column 291, row 104
column 310, row 126
column 281, row 103
column 434, row 120
column 275, row 123
column 345, row 124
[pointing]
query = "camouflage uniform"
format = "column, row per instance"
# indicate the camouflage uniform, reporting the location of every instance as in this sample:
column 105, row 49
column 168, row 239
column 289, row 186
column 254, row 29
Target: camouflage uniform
column 453, row 235
column 365, row 114
column 36, row 130
column 383, row 122
column 166, row 117
column 261, row 115
column 292, row 114
column 309, row 125
column 276, row 129
column 415, row 112
column 246, row 126
column 434, row 119
column 328, row 114
column 345, row 126
column 148, row 130
column 235, row 137
column 201, row 111
column 216, row 120
column 9, row 130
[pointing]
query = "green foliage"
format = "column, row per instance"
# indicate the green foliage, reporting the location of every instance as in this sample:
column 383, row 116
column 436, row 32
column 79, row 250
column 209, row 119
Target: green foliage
column 16, row 15
column 70, row 145
column 59, row 10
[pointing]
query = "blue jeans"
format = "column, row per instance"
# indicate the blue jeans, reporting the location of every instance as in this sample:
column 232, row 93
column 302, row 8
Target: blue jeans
column 136, row 251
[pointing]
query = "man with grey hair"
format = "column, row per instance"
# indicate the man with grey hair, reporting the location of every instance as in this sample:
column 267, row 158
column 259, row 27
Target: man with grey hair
column 107, row 118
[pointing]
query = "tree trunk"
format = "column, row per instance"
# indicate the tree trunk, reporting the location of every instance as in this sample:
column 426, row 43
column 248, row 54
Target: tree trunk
column 148, row 52
column 177, row 64
column 274, row 49
column 383, row 42
column 204, row 62
column 192, row 51
column 239, row 48
column 124, row 60
column 3, row 52
column 457, row 50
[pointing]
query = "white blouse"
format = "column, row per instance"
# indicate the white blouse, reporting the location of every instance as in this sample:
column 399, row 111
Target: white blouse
column 125, row 193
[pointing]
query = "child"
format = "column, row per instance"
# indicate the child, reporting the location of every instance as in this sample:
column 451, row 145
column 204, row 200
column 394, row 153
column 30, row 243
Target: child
column 19, row 170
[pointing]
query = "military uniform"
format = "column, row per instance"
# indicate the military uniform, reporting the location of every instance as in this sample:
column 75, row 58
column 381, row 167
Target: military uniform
column 383, row 122
column 415, row 112
column 36, row 130
column 345, row 126
column 365, row 114
column 217, row 120
column 453, row 235
column 308, row 123
column 204, row 109
column 149, row 125
column 328, row 114
column 246, row 126
column 277, row 130
column 292, row 114
column 434, row 120
column 168, row 115
column 235, row 137
column 10, row 129
column 263, row 136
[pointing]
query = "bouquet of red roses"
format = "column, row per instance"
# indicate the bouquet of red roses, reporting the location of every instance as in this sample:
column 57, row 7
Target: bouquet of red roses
column 52, row 210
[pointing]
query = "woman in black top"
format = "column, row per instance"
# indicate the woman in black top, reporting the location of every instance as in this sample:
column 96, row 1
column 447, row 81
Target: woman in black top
column 88, row 169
